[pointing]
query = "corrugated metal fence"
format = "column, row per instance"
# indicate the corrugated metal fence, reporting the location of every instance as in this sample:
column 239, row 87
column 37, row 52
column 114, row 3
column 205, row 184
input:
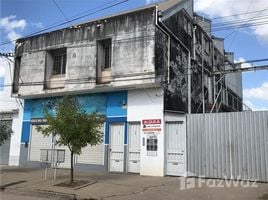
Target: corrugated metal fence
column 228, row 145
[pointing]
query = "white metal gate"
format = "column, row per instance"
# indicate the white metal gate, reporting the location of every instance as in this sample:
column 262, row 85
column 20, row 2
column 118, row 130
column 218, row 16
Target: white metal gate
column 5, row 147
column 4, row 152
column 38, row 141
column 117, row 147
column 175, row 148
column 134, row 147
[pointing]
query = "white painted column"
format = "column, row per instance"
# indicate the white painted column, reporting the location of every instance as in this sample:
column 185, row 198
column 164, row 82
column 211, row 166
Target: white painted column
column 15, row 142
column 142, row 105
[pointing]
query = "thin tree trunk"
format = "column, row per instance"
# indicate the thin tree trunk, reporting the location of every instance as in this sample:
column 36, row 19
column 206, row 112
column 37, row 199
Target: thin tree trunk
column 72, row 168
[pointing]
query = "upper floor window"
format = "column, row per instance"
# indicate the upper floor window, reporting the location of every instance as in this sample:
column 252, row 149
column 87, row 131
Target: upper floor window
column 104, row 53
column 15, row 88
column 59, row 61
column 55, row 68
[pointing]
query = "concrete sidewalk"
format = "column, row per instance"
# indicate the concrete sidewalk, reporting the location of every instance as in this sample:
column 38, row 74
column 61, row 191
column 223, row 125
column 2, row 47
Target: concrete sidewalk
column 27, row 181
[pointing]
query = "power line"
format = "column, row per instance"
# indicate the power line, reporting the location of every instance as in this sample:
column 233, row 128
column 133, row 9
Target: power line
column 238, row 21
column 245, row 22
column 133, row 76
column 93, row 79
column 117, row 78
column 239, row 14
column 71, row 20
column 237, row 31
column 62, row 13
column 240, row 27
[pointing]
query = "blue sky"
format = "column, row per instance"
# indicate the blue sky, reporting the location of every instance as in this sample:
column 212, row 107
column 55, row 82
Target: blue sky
column 21, row 17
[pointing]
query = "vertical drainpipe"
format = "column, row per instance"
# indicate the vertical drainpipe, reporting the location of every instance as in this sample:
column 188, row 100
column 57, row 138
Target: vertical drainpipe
column 189, row 72
column 213, row 69
column 168, row 56
column 189, row 82
column 203, row 91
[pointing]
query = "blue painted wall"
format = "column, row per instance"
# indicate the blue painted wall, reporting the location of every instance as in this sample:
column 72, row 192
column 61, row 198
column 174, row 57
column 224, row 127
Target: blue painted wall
column 108, row 104
column 115, row 101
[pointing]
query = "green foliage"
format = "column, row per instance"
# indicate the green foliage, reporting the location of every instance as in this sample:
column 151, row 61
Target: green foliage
column 73, row 126
column 5, row 131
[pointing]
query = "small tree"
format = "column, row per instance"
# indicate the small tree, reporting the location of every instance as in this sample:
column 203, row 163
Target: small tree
column 74, row 127
column 5, row 131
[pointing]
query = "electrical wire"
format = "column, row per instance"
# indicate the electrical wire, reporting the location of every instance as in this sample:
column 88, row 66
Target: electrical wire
column 70, row 20
column 239, row 14
column 74, row 19
column 235, row 23
column 62, row 13
column 239, row 27
column 245, row 23
column 116, row 78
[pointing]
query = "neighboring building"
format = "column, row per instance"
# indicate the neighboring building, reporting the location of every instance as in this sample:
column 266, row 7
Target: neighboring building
column 132, row 67
column 11, row 111
column 225, row 91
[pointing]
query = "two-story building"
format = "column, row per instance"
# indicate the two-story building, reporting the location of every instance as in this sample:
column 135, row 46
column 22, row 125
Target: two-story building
column 11, row 111
column 134, row 68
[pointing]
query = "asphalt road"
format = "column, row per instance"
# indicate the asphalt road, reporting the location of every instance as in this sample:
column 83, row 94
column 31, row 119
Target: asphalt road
column 12, row 196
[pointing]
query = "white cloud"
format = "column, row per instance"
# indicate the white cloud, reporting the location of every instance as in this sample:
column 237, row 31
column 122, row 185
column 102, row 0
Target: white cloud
column 253, row 106
column 221, row 8
column 259, row 93
column 12, row 35
column 37, row 24
column 244, row 65
column 11, row 25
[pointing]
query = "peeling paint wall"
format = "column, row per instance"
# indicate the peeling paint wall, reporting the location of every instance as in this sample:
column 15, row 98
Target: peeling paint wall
column 133, row 42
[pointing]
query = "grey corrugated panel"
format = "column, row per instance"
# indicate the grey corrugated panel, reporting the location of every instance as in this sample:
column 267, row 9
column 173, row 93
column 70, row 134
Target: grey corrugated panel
column 265, row 147
column 228, row 145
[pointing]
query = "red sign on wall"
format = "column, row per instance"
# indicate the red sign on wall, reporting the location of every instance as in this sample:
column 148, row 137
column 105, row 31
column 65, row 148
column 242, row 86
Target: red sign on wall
column 151, row 125
column 151, row 121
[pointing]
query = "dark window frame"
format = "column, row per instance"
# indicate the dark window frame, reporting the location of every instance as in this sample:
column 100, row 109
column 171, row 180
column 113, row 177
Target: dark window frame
column 106, row 50
column 16, row 78
column 59, row 61
column 152, row 144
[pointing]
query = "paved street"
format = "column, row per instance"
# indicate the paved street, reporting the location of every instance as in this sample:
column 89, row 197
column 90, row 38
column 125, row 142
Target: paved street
column 122, row 187
column 12, row 196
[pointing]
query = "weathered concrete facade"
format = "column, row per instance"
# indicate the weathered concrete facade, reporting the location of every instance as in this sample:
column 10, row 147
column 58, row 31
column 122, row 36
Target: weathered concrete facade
column 132, row 37
column 141, row 69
